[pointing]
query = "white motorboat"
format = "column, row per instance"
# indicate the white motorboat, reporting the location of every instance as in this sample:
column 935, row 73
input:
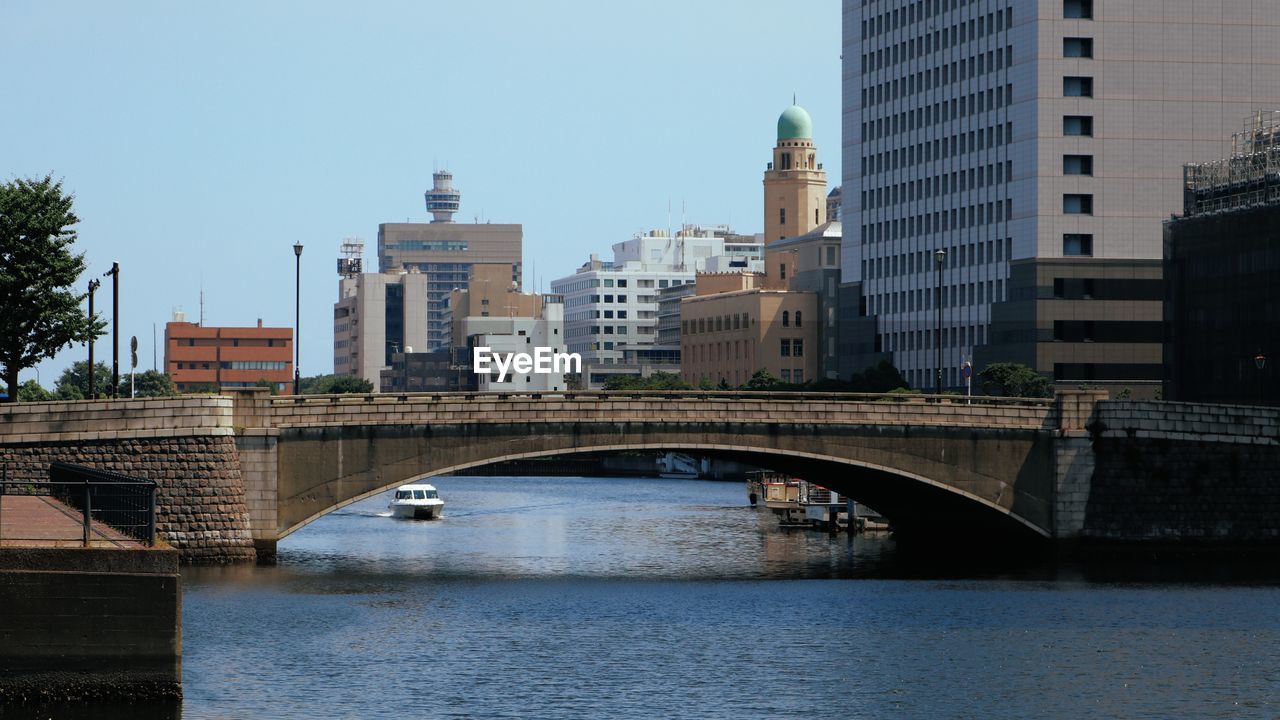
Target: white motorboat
column 416, row 500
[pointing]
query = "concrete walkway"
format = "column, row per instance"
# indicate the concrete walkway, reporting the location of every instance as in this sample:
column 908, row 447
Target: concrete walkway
column 37, row 521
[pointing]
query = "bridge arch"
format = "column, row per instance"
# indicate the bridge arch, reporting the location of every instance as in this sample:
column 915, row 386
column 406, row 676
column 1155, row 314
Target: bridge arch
column 914, row 501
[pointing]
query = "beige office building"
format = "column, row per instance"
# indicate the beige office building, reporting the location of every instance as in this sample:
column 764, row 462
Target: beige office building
column 727, row 334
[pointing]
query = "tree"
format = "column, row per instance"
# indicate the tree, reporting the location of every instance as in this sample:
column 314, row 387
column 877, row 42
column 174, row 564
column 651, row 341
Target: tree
column 334, row 384
column 263, row 382
column 39, row 313
column 151, row 383
column 762, row 379
column 656, row 381
column 73, row 383
column 31, row 391
column 1014, row 380
column 879, row 379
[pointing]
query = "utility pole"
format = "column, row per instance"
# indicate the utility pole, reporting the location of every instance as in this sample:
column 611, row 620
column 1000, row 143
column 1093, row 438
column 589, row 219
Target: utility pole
column 93, row 285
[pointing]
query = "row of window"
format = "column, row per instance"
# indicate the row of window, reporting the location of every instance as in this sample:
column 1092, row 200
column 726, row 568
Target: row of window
column 428, row 245
column 964, row 336
column 235, row 342
column 737, row 321
column 928, row 10
column 939, row 186
column 943, row 111
column 941, row 221
column 944, row 75
column 921, row 299
column 920, row 261
column 930, row 42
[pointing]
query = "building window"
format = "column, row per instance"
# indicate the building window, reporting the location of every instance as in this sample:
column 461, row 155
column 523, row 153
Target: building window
column 1073, row 204
column 1074, row 86
column 815, row 216
column 797, row 318
column 1077, row 47
column 1077, row 9
column 785, row 350
column 782, row 216
column 786, row 319
column 1077, row 245
column 797, row 376
column 1077, row 125
column 797, row 348
column 1077, row 164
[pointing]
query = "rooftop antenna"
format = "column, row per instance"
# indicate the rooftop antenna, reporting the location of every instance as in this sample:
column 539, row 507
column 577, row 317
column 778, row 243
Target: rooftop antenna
column 202, row 300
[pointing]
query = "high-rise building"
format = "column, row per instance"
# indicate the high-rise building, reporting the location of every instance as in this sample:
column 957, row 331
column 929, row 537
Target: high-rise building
column 444, row 251
column 1035, row 145
column 200, row 358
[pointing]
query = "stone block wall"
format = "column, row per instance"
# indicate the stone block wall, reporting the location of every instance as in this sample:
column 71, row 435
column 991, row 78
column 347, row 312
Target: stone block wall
column 200, row 502
column 1184, row 472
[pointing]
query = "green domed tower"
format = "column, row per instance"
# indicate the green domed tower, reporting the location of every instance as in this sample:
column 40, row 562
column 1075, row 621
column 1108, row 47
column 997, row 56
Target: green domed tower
column 795, row 185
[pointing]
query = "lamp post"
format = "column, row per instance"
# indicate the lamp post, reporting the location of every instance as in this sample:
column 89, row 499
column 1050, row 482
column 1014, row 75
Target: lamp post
column 114, row 272
column 297, row 316
column 941, row 257
column 93, row 285
column 1260, row 362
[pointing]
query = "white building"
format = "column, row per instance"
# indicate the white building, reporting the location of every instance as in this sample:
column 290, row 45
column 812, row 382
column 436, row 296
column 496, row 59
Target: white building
column 611, row 308
column 1039, row 144
column 505, row 336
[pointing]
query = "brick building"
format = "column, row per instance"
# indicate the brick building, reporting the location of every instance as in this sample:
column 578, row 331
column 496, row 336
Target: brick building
column 196, row 357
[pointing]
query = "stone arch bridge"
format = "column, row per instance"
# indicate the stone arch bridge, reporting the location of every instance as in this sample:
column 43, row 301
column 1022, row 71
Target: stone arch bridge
column 240, row 473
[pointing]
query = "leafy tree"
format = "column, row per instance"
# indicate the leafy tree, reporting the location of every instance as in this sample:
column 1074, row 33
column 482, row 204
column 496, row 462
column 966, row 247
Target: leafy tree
column 202, row 389
column 39, row 312
column 762, row 379
column 263, row 382
column 31, row 391
column 879, row 379
column 705, row 384
column 334, row 384
column 73, row 383
column 151, row 383
column 656, row 381
column 723, row 385
column 1014, row 380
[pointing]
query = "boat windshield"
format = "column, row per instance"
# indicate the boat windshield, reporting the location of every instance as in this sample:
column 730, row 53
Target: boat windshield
column 419, row 495
column 431, row 495
column 402, row 494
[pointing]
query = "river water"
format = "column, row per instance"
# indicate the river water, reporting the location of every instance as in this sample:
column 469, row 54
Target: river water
column 613, row 598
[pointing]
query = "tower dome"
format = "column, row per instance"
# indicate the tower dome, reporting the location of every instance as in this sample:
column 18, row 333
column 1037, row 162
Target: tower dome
column 795, row 124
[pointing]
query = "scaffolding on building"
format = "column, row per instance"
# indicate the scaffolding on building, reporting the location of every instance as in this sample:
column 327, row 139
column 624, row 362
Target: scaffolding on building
column 1250, row 177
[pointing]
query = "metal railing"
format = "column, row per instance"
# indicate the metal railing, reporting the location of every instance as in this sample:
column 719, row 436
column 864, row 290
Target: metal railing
column 124, row 504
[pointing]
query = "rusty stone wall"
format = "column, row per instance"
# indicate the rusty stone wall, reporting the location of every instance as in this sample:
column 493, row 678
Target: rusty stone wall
column 200, row 502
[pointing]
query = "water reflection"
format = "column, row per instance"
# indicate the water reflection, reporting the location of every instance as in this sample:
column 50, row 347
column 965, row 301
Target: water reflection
column 572, row 597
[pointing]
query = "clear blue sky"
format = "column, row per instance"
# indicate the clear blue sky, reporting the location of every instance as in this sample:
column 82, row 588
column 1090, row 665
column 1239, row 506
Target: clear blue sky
column 202, row 140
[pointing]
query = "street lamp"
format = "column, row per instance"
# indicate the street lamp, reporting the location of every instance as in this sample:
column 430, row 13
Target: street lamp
column 114, row 272
column 93, row 285
column 941, row 257
column 297, row 317
column 1260, row 362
